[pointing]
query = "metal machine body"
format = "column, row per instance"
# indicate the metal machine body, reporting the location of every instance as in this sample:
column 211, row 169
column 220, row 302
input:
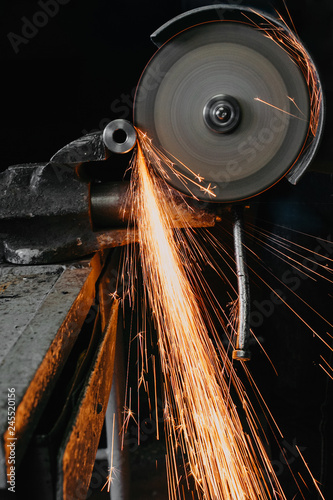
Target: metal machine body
column 233, row 95
column 58, row 338
column 231, row 98
column 230, row 108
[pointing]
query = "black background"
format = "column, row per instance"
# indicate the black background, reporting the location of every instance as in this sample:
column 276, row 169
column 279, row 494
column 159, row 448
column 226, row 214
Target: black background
column 80, row 69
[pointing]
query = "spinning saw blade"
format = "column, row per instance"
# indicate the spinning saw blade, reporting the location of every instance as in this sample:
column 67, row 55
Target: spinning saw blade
column 228, row 106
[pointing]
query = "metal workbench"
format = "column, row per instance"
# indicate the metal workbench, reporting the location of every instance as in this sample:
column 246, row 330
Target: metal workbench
column 58, row 341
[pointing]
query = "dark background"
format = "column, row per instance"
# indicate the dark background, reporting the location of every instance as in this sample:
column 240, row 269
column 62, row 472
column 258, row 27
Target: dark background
column 79, row 69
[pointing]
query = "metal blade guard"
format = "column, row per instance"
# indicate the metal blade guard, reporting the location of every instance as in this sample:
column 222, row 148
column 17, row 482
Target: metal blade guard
column 233, row 99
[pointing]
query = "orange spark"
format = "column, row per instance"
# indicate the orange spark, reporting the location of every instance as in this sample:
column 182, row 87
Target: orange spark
column 290, row 43
column 158, row 159
column 112, row 468
column 292, row 99
column 326, row 371
column 278, row 109
column 201, row 419
column 307, row 468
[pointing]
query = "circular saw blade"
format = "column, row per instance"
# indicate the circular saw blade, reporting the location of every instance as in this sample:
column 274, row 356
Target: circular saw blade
column 185, row 76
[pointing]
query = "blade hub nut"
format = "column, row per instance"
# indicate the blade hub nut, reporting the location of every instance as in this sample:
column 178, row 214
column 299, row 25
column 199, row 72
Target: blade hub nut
column 222, row 114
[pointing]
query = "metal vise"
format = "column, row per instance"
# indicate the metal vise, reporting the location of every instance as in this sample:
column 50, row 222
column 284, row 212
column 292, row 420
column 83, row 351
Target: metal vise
column 51, row 212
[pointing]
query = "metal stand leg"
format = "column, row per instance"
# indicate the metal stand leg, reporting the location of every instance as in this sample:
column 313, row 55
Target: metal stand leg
column 117, row 457
column 243, row 328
